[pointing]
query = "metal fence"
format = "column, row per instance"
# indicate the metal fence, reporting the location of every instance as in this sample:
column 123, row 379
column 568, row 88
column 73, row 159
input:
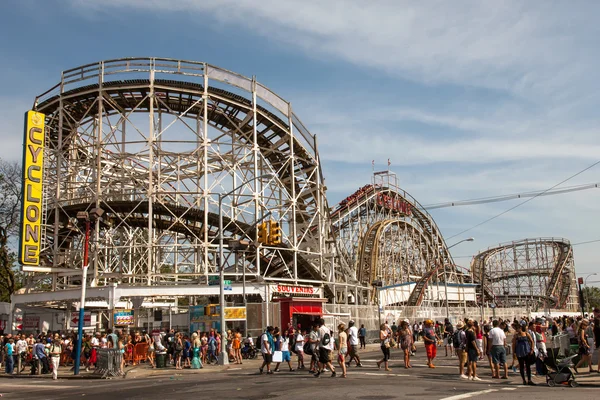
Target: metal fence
column 109, row 363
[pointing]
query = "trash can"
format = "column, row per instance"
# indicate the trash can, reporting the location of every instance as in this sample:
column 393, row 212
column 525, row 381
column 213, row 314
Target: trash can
column 161, row 360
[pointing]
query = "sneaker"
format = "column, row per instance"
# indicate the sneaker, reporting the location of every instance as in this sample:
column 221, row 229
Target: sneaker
column 317, row 374
column 333, row 374
column 470, row 378
column 476, row 378
column 359, row 365
column 276, row 369
column 463, row 376
column 325, row 370
column 530, row 383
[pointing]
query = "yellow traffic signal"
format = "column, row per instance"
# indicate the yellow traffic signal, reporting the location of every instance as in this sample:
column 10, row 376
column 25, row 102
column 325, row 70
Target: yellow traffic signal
column 263, row 233
column 275, row 233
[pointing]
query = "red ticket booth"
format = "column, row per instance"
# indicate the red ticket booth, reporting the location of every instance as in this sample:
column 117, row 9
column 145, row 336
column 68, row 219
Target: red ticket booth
column 300, row 310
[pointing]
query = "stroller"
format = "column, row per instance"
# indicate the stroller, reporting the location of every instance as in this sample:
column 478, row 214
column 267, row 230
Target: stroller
column 560, row 371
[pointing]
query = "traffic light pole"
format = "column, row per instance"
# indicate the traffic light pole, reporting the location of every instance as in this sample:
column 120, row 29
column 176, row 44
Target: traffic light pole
column 78, row 344
column 223, row 359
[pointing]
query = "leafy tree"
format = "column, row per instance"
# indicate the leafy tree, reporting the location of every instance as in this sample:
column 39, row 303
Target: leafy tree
column 591, row 294
column 10, row 206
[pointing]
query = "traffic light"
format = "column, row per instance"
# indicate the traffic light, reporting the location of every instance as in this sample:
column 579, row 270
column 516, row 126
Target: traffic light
column 275, row 233
column 263, row 233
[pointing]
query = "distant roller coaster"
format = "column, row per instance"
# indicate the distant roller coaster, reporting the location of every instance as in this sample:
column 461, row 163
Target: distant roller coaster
column 535, row 273
column 155, row 143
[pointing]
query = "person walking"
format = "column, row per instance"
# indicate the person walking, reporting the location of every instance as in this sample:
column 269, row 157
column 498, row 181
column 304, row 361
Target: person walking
column 447, row 336
column 459, row 343
column 267, row 346
column 523, row 349
column 384, row 338
column 55, row 351
column 9, row 350
column 314, row 338
column 237, row 346
column 284, row 347
column 479, row 338
column 343, row 348
column 405, row 339
column 195, row 352
column 585, row 351
column 353, row 344
column 326, row 346
column 300, row 349
column 362, row 336
column 497, row 350
column 430, row 338
column 473, row 352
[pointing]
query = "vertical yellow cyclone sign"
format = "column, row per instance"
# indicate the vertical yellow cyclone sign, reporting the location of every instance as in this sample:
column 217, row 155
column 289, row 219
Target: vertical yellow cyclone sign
column 33, row 166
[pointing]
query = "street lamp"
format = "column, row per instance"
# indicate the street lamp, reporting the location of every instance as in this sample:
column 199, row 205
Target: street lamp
column 446, row 278
column 88, row 219
column 464, row 240
column 223, row 359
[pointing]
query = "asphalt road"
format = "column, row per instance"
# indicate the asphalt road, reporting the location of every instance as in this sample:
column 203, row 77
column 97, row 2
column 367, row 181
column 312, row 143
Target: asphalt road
column 243, row 382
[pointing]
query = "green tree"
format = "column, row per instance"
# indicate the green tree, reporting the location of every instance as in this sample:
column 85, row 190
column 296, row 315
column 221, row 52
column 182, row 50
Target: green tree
column 10, row 208
column 591, row 294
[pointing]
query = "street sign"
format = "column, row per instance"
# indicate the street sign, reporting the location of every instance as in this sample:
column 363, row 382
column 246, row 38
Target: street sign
column 31, row 322
column 87, row 319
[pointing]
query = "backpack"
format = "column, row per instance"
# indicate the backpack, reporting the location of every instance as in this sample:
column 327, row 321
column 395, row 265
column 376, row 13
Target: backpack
column 325, row 339
column 456, row 339
column 292, row 343
column 308, row 348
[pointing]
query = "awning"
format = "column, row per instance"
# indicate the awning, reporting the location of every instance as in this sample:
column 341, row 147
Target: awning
column 305, row 306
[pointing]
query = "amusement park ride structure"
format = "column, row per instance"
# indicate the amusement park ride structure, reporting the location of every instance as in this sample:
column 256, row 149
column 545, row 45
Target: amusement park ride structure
column 155, row 142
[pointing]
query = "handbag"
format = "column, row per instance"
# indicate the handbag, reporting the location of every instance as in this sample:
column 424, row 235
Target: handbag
column 277, row 356
column 393, row 343
column 531, row 359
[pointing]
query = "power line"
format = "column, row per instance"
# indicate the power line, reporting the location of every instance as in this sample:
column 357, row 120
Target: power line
column 494, row 199
column 589, row 241
column 524, row 202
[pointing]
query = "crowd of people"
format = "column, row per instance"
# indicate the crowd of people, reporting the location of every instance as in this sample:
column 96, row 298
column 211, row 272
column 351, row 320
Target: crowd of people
column 469, row 340
column 51, row 350
column 314, row 348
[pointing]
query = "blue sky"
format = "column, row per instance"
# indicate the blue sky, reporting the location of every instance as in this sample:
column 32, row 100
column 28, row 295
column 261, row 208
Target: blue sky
column 466, row 98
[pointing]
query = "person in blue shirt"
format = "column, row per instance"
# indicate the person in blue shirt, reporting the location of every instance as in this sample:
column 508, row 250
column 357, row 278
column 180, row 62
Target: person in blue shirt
column 362, row 334
column 39, row 351
column 9, row 350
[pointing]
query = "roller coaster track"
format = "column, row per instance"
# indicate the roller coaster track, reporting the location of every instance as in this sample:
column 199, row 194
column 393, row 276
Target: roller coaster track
column 431, row 243
column 521, row 267
column 416, row 296
column 227, row 112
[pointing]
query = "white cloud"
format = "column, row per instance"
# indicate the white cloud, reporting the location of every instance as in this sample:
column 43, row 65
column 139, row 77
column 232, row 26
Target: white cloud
column 524, row 48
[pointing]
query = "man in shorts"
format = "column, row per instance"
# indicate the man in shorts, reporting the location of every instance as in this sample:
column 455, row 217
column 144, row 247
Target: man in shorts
column 430, row 338
column 325, row 349
column 497, row 349
column 314, row 338
column 267, row 345
column 353, row 343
